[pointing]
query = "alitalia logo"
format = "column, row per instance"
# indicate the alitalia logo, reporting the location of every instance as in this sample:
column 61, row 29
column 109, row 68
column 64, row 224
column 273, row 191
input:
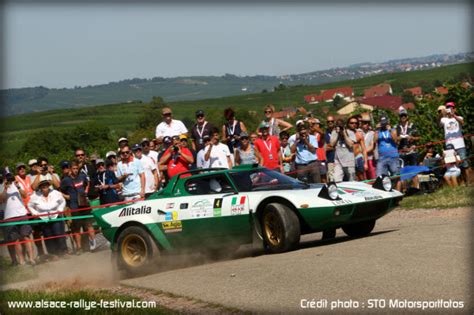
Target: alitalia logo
column 132, row 211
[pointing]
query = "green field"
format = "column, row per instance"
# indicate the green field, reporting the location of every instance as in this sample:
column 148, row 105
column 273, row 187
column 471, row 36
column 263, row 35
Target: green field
column 122, row 118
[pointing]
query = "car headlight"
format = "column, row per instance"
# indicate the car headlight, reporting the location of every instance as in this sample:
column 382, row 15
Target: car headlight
column 383, row 183
column 329, row 191
column 332, row 191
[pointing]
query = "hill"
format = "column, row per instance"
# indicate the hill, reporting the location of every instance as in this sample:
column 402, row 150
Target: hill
column 35, row 99
column 122, row 118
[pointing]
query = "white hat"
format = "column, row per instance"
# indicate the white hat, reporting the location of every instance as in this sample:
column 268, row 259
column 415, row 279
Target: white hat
column 110, row 153
column 122, row 139
column 301, row 121
column 32, row 161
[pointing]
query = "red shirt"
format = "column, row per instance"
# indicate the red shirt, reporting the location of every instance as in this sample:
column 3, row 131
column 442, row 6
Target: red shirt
column 177, row 163
column 269, row 151
column 320, row 152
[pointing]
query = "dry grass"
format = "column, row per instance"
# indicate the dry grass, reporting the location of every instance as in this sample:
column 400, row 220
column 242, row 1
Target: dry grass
column 444, row 198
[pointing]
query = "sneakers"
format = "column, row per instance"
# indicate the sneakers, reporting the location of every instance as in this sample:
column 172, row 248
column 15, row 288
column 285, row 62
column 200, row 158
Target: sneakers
column 92, row 244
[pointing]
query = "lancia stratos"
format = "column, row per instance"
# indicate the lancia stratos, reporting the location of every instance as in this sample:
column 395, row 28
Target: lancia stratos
column 221, row 209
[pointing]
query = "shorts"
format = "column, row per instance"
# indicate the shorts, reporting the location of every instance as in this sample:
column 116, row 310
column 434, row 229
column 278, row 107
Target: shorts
column 463, row 155
column 452, row 172
column 343, row 173
column 330, row 172
column 386, row 165
column 359, row 164
column 16, row 232
column 322, row 168
column 77, row 224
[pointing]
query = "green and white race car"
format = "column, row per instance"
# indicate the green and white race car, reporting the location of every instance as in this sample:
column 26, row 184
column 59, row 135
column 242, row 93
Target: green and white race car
column 217, row 209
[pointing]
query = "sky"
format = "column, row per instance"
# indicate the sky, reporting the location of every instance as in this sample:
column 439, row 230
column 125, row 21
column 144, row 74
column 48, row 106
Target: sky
column 56, row 45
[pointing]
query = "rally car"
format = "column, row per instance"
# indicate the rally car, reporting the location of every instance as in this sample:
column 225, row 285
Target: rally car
column 212, row 209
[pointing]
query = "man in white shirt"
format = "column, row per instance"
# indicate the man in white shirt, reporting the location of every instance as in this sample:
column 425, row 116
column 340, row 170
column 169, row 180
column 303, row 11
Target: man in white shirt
column 169, row 127
column 149, row 166
column 146, row 150
column 200, row 158
column 217, row 154
column 130, row 173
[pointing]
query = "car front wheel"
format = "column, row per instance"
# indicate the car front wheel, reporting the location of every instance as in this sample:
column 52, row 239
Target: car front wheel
column 359, row 229
column 137, row 253
column 281, row 228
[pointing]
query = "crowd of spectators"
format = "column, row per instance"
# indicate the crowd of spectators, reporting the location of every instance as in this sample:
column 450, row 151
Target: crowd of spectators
column 358, row 148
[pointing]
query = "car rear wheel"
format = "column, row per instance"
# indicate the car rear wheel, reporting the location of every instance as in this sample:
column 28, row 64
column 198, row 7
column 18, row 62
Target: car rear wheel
column 137, row 253
column 281, row 228
column 359, row 229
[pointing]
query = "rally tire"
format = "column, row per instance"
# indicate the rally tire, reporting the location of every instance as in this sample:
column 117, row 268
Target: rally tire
column 359, row 229
column 137, row 253
column 280, row 228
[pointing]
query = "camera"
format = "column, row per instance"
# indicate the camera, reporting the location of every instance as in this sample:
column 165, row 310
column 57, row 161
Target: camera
column 9, row 178
column 448, row 110
column 175, row 148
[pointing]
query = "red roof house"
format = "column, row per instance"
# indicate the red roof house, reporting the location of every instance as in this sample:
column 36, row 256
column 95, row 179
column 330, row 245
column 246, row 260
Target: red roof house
column 313, row 98
column 387, row 102
column 378, row 90
column 441, row 90
column 344, row 92
column 415, row 91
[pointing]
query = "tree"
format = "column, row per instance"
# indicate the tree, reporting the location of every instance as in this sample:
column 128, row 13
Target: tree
column 337, row 101
column 407, row 97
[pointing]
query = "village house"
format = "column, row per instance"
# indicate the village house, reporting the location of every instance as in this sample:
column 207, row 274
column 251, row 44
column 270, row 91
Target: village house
column 344, row 92
column 378, row 90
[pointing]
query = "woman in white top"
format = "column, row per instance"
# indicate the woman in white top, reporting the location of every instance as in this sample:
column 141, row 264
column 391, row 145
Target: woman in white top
column 49, row 205
column 275, row 123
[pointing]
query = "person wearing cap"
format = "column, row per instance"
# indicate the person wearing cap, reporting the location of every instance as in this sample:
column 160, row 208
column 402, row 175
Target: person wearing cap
column 407, row 137
column 386, row 139
column 200, row 129
column 316, row 130
column 183, row 139
column 452, row 124
column 245, row 153
column 368, row 134
column 231, row 130
column 131, row 174
column 169, row 126
column 342, row 140
column 176, row 158
column 217, row 153
column 45, row 172
column 105, row 182
column 268, row 148
column 147, row 150
column 49, row 205
column 149, row 167
column 11, row 195
column 304, row 146
column 33, row 165
column 112, row 156
column 275, row 123
column 200, row 159
column 24, row 181
column 122, row 141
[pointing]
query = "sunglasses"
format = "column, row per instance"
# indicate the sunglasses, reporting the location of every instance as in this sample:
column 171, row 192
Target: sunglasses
column 112, row 157
column 100, row 164
column 365, row 122
column 353, row 122
column 168, row 114
column 244, row 138
column 80, row 155
column 44, row 165
column 199, row 116
column 268, row 112
column 125, row 152
column 21, row 167
column 284, row 138
column 330, row 121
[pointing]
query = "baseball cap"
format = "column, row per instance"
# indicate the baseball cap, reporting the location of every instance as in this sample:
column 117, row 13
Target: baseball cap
column 98, row 161
column 314, row 120
column 441, row 107
column 263, row 125
column 32, row 162
column 43, row 182
column 207, row 137
column 183, row 137
column 299, row 122
column 64, row 164
column 383, row 120
column 402, row 111
column 244, row 134
column 110, row 153
column 199, row 112
column 122, row 139
column 450, row 104
column 145, row 140
column 166, row 110
column 20, row 164
column 136, row 147
column 167, row 140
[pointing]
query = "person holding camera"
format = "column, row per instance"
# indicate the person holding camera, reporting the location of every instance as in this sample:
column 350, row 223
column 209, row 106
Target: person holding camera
column 342, row 140
column 74, row 188
column 106, row 183
column 11, row 195
column 452, row 124
column 45, row 172
column 304, row 146
column 176, row 158
column 217, row 153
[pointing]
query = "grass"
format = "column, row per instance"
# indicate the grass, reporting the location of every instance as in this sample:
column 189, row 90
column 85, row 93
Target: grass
column 12, row 274
column 72, row 296
column 443, row 198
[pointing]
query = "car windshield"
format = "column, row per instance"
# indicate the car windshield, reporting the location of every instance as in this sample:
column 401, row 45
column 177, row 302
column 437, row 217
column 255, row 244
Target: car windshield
column 264, row 179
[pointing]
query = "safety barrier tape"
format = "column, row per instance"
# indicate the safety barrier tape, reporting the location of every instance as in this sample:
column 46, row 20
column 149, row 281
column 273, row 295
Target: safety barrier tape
column 47, row 238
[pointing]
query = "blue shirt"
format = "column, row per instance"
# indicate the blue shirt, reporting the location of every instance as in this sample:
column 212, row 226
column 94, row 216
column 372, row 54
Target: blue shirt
column 132, row 184
column 72, row 186
column 386, row 145
column 303, row 155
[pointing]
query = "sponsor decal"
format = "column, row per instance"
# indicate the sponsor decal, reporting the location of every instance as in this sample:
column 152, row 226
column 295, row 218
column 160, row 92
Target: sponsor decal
column 217, row 207
column 134, row 210
column 367, row 194
column 171, row 216
column 376, row 197
column 341, row 202
column 169, row 206
column 183, row 206
column 201, row 209
column 238, row 205
column 172, row 226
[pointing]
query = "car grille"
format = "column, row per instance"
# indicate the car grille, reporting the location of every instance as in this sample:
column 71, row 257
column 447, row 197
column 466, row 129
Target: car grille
column 371, row 209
